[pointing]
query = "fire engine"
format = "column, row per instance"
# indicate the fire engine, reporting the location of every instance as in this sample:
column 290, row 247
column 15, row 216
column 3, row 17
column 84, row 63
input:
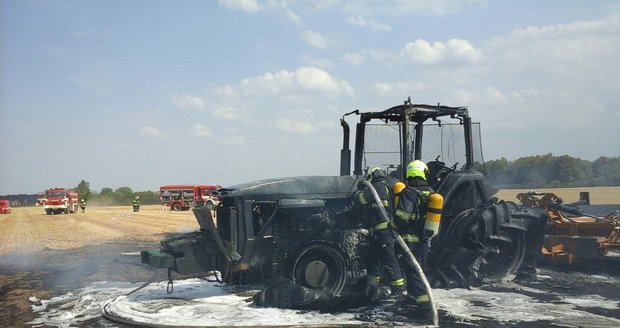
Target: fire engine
column 60, row 200
column 182, row 197
column 40, row 199
column 5, row 206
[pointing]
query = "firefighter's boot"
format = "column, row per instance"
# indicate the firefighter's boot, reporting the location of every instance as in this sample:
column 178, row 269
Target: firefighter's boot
column 421, row 312
column 397, row 291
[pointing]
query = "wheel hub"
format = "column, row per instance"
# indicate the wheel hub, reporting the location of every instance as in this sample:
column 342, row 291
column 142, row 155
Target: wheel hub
column 316, row 274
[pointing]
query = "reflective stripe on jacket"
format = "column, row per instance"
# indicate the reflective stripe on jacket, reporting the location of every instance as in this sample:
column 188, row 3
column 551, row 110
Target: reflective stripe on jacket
column 411, row 211
column 372, row 213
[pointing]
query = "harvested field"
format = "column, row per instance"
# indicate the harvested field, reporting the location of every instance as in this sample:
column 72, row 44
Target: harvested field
column 29, row 229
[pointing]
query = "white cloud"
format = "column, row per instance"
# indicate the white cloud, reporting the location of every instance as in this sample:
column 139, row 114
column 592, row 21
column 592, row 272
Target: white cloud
column 293, row 17
column 320, row 63
column 435, row 7
column 372, row 24
column 316, row 39
column 186, row 101
column 565, row 51
column 399, row 88
column 226, row 91
column 243, row 5
column 354, row 58
column 366, row 54
column 226, row 112
column 302, row 79
column 232, row 140
column 424, row 53
column 200, row 131
column 294, row 126
column 152, row 132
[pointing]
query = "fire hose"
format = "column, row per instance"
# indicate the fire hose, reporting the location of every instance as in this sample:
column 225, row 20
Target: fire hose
column 407, row 251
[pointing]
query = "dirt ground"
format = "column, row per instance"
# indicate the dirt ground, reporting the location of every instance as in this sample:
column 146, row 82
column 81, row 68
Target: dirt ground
column 47, row 255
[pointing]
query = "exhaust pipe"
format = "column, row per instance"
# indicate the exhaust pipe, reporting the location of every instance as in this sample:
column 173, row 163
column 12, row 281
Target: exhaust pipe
column 345, row 152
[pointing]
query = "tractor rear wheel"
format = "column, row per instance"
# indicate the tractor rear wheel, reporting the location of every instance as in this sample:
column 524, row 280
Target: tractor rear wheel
column 500, row 247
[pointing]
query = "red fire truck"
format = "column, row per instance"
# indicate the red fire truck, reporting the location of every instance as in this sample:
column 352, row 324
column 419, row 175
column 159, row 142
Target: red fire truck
column 60, row 200
column 182, row 197
column 40, row 199
column 5, row 206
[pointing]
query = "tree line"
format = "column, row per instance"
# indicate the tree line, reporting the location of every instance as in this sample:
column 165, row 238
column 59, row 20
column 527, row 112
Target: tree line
column 108, row 196
column 551, row 171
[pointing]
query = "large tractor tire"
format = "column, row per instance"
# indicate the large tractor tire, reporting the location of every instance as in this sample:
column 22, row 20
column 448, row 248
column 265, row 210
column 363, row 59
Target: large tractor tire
column 486, row 244
column 319, row 266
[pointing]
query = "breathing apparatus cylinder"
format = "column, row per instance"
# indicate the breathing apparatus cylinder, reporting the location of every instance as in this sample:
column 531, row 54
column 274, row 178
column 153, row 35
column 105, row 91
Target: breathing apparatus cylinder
column 396, row 189
column 433, row 215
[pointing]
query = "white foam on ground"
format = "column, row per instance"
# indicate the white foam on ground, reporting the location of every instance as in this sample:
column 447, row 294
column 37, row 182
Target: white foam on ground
column 477, row 304
column 196, row 302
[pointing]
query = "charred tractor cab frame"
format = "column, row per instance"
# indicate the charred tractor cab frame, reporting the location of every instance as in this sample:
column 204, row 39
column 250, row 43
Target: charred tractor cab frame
column 304, row 228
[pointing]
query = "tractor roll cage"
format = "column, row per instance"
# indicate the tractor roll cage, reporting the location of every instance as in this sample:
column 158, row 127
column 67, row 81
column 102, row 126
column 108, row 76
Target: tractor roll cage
column 404, row 115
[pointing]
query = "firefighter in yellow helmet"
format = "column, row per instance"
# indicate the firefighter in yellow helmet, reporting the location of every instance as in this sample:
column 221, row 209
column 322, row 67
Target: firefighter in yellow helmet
column 381, row 236
column 83, row 205
column 409, row 223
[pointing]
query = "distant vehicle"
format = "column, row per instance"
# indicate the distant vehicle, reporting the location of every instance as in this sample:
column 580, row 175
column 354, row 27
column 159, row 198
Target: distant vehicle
column 5, row 206
column 40, row 199
column 60, row 200
column 183, row 197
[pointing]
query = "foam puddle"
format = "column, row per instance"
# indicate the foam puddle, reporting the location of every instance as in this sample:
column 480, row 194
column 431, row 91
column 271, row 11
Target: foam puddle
column 197, row 302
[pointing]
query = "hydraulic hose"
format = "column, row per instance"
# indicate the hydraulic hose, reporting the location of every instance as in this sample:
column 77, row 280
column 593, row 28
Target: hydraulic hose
column 405, row 248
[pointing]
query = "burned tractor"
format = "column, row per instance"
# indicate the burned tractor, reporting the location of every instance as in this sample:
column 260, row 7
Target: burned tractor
column 306, row 229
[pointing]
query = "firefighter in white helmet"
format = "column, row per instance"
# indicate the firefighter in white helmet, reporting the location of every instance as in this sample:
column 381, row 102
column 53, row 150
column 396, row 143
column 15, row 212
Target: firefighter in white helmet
column 409, row 219
column 381, row 236
column 136, row 204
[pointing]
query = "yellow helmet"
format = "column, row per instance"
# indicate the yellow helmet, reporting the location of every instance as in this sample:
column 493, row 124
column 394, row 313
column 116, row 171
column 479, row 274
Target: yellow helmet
column 417, row 168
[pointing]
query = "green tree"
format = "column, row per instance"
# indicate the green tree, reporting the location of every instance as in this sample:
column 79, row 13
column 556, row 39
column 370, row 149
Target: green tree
column 532, row 169
column 106, row 192
column 606, row 171
column 499, row 172
column 123, row 195
column 83, row 190
column 567, row 171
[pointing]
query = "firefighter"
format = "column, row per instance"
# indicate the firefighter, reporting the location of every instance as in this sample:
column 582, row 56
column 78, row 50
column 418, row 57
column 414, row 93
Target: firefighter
column 381, row 236
column 409, row 218
column 83, row 205
column 136, row 204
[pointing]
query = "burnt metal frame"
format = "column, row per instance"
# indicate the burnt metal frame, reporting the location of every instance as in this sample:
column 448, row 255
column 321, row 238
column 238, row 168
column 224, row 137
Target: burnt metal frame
column 404, row 114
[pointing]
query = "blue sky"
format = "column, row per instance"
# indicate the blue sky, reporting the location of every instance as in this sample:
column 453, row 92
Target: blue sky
column 147, row 93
